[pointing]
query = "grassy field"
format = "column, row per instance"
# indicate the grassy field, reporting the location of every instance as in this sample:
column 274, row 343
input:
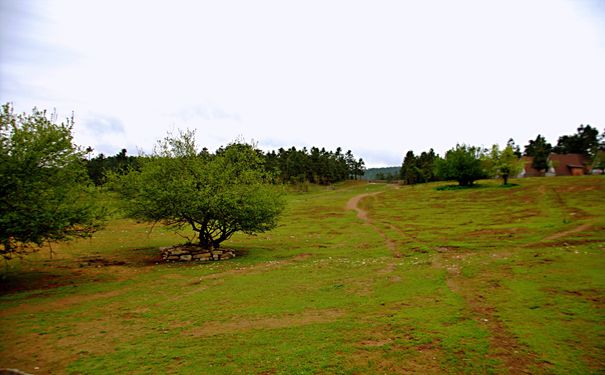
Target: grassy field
column 358, row 279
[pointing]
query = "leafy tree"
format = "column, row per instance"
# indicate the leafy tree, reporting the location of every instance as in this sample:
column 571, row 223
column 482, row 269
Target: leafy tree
column 463, row 164
column 539, row 149
column 44, row 195
column 585, row 142
column 515, row 147
column 503, row 163
column 216, row 195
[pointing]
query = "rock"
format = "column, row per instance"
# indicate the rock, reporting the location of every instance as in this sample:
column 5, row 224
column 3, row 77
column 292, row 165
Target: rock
column 178, row 251
column 187, row 253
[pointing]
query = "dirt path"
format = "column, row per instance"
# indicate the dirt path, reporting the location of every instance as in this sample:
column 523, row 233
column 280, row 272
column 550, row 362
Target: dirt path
column 556, row 236
column 353, row 205
column 503, row 345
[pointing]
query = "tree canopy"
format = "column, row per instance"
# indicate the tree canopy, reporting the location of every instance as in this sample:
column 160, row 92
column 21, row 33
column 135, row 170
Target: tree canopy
column 503, row 163
column 418, row 169
column 585, row 142
column 216, row 195
column 463, row 164
column 539, row 149
column 44, row 195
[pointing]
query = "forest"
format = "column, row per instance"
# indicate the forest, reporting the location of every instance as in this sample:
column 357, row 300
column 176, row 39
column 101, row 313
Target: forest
column 287, row 166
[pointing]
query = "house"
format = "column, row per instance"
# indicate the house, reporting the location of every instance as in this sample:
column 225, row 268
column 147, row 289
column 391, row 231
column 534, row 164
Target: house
column 568, row 164
column 528, row 169
column 559, row 165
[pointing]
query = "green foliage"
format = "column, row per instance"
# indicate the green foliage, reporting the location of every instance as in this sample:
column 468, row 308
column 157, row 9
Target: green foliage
column 503, row 163
column 99, row 166
column 418, row 169
column 585, row 142
column 316, row 165
column 539, row 149
column 463, row 164
column 44, row 195
column 216, row 195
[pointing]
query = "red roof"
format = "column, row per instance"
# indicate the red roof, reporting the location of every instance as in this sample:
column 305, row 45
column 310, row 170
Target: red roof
column 564, row 163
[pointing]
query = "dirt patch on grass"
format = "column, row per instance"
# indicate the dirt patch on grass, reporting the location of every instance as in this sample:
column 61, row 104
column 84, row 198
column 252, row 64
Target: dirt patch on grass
column 36, row 355
column 58, row 304
column 556, row 236
column 277, row 322
column 353, row 205
column 395, row 355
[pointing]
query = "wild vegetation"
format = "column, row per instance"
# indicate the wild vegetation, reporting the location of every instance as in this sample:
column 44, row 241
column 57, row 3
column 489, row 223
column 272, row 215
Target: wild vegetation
column 216, row 195
column 352, row 278
column 44, row 194
column 287, row 166
column 364, row 278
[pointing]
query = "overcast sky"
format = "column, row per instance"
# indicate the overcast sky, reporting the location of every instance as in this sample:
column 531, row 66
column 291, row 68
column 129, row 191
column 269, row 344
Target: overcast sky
column 377, row 77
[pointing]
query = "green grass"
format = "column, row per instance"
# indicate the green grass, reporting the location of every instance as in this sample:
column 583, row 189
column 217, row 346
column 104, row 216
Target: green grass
column 484, row 280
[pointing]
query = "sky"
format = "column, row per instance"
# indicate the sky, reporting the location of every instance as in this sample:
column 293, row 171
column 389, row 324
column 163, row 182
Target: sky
column 377, row 77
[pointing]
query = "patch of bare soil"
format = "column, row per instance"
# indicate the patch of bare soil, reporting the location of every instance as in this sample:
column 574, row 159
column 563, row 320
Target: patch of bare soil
column 39, row 353
column 420, row 359
column 58, row 304
column 556, row 236
column 213, row 328
column 50, row 274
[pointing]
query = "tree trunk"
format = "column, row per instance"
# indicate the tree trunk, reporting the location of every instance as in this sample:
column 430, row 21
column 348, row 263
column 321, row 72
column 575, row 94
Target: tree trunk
column 505, row 177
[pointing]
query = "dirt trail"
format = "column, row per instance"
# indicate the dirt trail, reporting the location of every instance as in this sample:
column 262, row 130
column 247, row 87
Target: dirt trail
column 353, row 205
column 503, row 345
column 556, row 236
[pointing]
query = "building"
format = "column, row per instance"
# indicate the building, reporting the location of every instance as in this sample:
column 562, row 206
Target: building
column 560, row 165
column 568, row 164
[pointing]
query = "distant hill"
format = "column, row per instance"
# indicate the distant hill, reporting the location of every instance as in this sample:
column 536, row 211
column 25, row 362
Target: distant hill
column 372, row 172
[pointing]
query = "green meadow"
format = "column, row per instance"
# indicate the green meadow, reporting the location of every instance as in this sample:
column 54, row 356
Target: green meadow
column 358, row 278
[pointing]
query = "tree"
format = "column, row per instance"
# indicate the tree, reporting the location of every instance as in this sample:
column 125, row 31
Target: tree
column 418, row 169
column 410, row 173
column 585, row 142
column 101, row 165
column 426, row 165
column 503, row 163
column 359, row 168
column 44, row 194
column 216, row 195
column 515, row 147
column 539, row 149
column 463, row 164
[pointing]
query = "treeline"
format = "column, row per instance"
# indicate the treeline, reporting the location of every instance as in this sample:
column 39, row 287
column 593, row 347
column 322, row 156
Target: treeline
column 119, row 163
column 468, row 163
column 315, row 165
column 287, row 166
